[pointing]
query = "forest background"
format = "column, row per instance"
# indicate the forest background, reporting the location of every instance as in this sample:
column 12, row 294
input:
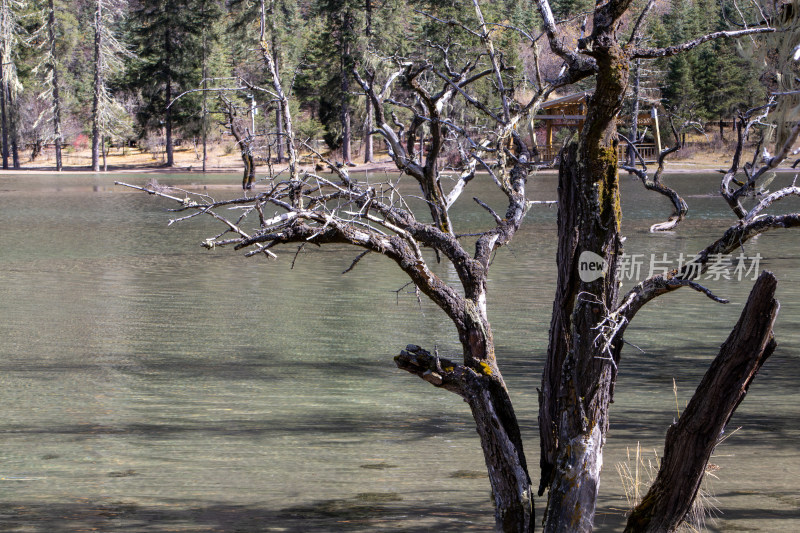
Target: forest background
column 146, row 81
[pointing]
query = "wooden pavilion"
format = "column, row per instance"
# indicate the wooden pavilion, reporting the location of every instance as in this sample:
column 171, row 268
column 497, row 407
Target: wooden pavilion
column 570, row 112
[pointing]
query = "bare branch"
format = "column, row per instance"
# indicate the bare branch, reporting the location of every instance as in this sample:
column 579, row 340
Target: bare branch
column 743, row 126
column 358, row 258
column 487, row 41
column 491, row 211
column 653, row 53
column 636, row 35
column 754, row 213
column 732, row 239
column 680, row 208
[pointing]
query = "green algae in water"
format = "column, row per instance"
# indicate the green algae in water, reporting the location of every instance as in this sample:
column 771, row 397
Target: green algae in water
column 468, row 474
column 377, row 466
column 378, row 497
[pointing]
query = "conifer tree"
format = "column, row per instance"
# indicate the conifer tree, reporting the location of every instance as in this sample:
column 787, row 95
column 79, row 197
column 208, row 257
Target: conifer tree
column 167, row 38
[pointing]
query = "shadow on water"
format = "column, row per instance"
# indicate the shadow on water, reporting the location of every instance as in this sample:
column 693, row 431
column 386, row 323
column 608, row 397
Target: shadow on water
column 264, row 368
column 408, row 429
column 372, row 511
column 151, row 386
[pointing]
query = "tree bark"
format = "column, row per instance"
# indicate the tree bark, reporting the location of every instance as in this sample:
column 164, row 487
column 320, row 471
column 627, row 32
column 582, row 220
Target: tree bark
column 577, row 384
column 205, row 93
column 691, row 441
column 280, row 136
column 3, row 112
column 634, row 136
column 249, row 172
column 368, row 141
column 479, row 382
column 51, row 33
column 244, row 140
column 13, row 116
column 345, row 86
column 98, row 81
column 168, row 99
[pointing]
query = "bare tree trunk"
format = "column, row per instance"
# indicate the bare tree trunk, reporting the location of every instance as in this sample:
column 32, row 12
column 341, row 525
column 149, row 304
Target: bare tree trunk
column 577, row 384
column 345, row 73
column 13, row 116
column 98, row 81
column 368, row 141
column 279, row 130
column 3, row 111
column 280, row 137
column 630, row 157
column 37, row 149
column 168, row 100
column 497, row 425
column 51, row 33
column 636, row 91
column 244, row 140
column 692, row 439
column 205, row 126
column 168, row 127
column 368, row 156
column 205, row 93
column 345, row 118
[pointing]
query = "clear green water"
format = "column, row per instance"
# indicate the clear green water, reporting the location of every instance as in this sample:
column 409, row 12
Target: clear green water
column 150, row 385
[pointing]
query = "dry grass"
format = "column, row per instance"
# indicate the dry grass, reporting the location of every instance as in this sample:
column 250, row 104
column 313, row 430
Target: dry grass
column 639, row 471
column 185, row 157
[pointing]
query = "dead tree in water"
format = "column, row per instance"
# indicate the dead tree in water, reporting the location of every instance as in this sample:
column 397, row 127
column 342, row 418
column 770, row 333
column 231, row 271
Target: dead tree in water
column 244, row 140
column 589, row 317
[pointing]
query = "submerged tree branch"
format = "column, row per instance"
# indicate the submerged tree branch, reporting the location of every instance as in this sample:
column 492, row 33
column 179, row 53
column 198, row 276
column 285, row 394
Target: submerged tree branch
column 680, row 208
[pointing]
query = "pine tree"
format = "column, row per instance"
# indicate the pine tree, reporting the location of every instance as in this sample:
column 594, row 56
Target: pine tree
column 333, row 54
column 167, row 38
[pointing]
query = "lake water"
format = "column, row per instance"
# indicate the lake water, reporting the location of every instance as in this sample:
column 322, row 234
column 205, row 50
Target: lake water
column 150, row 385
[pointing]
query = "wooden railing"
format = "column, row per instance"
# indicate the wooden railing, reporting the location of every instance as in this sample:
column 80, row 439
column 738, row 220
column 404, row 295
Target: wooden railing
column 648, row 151
column 547, row 152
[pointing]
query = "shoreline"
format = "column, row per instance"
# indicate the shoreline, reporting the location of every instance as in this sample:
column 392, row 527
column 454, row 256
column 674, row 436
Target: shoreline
column 678, row 167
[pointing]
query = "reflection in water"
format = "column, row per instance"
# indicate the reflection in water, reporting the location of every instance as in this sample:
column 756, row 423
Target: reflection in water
column 148, row 384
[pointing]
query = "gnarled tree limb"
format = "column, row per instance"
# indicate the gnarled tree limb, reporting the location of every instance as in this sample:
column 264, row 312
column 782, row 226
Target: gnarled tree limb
column 654, row 53
column 680, row 208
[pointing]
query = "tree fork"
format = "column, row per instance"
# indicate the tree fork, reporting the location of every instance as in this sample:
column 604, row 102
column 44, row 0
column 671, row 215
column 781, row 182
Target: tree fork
column 485, row 392
column 580, row 370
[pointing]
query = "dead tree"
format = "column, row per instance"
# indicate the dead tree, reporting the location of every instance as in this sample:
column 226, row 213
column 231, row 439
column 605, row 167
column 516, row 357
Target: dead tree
column 52, row 73
column 244, row 140
column 655, row 184
column 321, row 210
column 589, row 319
column 691, row 440
column 108, row 52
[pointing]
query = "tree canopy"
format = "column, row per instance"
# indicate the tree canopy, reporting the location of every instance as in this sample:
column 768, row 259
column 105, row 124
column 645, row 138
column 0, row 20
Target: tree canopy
column 154, row 51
